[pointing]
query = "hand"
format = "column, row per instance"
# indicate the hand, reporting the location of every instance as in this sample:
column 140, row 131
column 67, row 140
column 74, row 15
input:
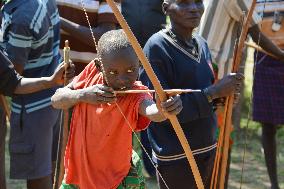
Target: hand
column 228, row 85
column 60, row 74
column 98, row 94
column 172, row 106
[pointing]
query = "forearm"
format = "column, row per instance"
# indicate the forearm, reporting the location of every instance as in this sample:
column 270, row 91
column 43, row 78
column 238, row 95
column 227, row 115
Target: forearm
column 77, row 31
column 83, row 33
column 154, row 114
column 31, row 85
column 65, row 98
column 265, row 43
column 149, row 109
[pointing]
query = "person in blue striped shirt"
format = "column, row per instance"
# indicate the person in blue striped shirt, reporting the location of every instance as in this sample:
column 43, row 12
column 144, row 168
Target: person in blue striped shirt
column 30, row 36
column 12, row 83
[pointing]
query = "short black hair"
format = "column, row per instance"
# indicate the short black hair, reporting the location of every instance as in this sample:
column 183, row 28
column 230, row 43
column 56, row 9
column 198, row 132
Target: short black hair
column 111, row 42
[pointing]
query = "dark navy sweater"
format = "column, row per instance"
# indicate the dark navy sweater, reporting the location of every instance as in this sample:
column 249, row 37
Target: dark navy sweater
column 178, row 69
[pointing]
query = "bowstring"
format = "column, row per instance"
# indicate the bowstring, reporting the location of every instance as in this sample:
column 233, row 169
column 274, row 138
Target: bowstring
column 250, row 103
column 148, row 156
column 118, row 107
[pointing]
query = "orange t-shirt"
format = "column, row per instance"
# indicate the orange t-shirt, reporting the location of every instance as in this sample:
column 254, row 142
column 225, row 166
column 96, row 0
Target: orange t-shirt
column 99, row 148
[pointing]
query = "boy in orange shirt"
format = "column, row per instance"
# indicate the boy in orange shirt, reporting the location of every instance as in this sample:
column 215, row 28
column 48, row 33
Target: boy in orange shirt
column 98, row 153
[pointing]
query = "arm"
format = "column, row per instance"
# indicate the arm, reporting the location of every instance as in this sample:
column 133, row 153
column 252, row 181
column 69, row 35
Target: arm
column 228, row 85
column 67, row 97
column 82, row 33
column 106, row 21
column 265, row 42
column 149, row 109
column 12, row 82
column 31, row 85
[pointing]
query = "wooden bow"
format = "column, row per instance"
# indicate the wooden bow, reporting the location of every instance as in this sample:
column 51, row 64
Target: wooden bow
column 218, row 179
column 63, row 133
column 161, row 94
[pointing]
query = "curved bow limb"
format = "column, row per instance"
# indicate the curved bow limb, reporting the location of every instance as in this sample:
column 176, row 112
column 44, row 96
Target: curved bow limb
column 229, row 102
column 161, row 94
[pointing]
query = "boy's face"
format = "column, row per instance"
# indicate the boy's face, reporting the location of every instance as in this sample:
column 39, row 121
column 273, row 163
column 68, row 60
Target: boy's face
column 121, row 69
column 185, row 13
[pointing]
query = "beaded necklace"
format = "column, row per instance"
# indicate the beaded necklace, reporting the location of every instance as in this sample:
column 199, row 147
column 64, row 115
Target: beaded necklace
column 190, row 47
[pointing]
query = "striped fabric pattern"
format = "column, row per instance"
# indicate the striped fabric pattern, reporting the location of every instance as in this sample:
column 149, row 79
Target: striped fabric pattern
column 220, row 27
column 30, row 36
column 98, row 11
column 183, row 156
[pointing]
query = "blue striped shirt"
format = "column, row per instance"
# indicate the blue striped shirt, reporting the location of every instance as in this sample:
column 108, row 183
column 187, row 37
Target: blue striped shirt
column 30, row 35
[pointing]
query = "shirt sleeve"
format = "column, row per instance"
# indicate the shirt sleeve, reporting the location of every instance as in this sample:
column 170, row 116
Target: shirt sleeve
column 9, row 78
column 80, row 81
column 105, row 13
column 19, row 43
column 195, row 105
column 237, row 7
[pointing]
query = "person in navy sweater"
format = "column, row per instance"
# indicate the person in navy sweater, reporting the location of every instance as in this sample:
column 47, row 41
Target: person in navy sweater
column 181, row 59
